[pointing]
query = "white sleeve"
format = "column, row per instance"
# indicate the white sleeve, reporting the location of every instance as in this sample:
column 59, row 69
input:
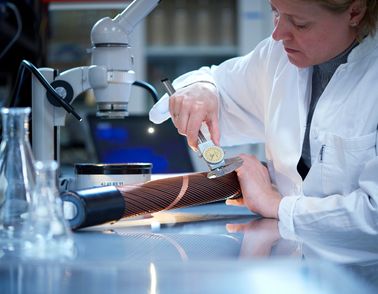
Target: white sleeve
column 355, row 213
column 160, row 111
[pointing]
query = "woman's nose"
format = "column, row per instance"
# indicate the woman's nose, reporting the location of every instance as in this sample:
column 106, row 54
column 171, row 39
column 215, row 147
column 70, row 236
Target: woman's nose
column 281, row 30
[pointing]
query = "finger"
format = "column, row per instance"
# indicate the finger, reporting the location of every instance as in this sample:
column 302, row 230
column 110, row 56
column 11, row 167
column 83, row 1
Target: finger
column 233, row 228
column 175, row 102
column 181, row 122
column 171, row 102
column 196, row 117
column 193, row 128
column 175, row 116
column 235, row 202
column 213, row 126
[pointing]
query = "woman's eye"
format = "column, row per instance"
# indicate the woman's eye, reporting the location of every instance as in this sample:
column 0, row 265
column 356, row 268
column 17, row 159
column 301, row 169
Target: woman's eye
column 300, row 26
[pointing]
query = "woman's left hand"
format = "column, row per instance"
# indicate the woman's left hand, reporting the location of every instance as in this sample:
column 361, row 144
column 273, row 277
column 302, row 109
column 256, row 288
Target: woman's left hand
column 259, row 236
column 259, row 195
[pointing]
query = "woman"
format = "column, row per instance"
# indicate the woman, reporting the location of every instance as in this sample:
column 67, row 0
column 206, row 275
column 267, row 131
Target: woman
column 309, row 93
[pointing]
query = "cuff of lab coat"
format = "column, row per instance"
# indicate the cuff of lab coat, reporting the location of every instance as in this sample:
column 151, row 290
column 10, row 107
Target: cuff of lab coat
column 202, row 75
column 160, row 111
column 285, row 215
column 286, row 233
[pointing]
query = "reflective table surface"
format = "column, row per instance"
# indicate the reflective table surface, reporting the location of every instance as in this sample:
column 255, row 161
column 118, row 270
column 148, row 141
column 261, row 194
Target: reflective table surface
column 212, row 248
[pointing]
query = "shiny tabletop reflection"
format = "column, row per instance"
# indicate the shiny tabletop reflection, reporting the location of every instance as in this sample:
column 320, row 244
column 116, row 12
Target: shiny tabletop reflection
column 203, row 249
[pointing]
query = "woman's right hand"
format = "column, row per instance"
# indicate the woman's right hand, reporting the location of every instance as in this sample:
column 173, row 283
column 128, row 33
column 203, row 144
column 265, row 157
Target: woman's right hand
column 192, row 105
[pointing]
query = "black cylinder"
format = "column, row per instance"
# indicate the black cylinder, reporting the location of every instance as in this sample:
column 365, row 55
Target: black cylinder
column 112, row 168
column 89, row 207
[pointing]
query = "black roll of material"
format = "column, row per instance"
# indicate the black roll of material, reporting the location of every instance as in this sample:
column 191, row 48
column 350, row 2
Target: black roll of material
column 89, row 207
column 94, row 206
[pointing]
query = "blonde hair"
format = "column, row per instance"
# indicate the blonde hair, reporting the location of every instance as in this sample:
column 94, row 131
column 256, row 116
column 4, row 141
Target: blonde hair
column 368, row 24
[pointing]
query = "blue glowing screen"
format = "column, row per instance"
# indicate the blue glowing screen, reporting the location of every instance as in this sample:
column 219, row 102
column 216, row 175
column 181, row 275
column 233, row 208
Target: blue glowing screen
column 136, row 139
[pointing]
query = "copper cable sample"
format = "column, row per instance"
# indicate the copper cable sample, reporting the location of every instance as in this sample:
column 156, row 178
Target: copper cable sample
column 104, row 204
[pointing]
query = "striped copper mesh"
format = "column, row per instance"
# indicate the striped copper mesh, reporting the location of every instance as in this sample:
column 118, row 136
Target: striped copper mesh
column 176, row 192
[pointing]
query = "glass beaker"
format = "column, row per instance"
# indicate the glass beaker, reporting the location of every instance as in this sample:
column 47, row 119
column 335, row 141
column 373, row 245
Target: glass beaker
column 17, row 173
column 46, row 233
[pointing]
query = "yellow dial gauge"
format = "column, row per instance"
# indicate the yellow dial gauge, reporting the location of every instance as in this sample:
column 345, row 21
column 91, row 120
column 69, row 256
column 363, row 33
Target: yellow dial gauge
column 213, row 154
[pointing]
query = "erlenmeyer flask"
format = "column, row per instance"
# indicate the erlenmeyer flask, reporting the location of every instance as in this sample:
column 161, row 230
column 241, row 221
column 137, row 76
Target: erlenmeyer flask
column 46, row 232
column 17, row 173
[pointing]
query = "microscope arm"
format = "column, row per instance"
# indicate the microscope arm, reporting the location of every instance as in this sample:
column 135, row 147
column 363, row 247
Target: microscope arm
column 71, row 83
column 49, row 115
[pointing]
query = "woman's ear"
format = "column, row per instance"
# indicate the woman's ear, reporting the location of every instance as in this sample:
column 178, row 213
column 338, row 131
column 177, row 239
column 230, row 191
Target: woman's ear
column 357, row 12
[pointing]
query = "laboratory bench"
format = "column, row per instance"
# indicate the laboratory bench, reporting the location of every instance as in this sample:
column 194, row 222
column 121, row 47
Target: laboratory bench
column 210, row 248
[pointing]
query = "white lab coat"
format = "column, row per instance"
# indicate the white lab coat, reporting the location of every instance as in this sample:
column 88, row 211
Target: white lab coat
column 265, row 97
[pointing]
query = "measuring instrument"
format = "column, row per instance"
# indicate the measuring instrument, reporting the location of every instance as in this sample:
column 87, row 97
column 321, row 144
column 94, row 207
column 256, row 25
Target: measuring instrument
column 211, row 153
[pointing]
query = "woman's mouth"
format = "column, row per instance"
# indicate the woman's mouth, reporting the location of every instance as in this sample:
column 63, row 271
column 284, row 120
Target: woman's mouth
column 290, row 50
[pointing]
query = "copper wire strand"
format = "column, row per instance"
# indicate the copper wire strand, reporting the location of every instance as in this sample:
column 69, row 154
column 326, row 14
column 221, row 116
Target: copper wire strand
column 137, row 204
column 177, row 192
column 184, row 188
column 146, row 200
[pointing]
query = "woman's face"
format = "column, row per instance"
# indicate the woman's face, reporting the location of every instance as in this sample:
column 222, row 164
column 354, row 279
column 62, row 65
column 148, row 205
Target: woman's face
column 310, row 33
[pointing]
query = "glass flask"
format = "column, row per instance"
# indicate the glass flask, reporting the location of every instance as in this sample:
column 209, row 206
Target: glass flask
column 46, row 233
column 17, row 174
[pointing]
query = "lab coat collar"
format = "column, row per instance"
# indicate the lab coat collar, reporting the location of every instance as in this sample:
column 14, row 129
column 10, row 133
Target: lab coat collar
column 364, row 49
